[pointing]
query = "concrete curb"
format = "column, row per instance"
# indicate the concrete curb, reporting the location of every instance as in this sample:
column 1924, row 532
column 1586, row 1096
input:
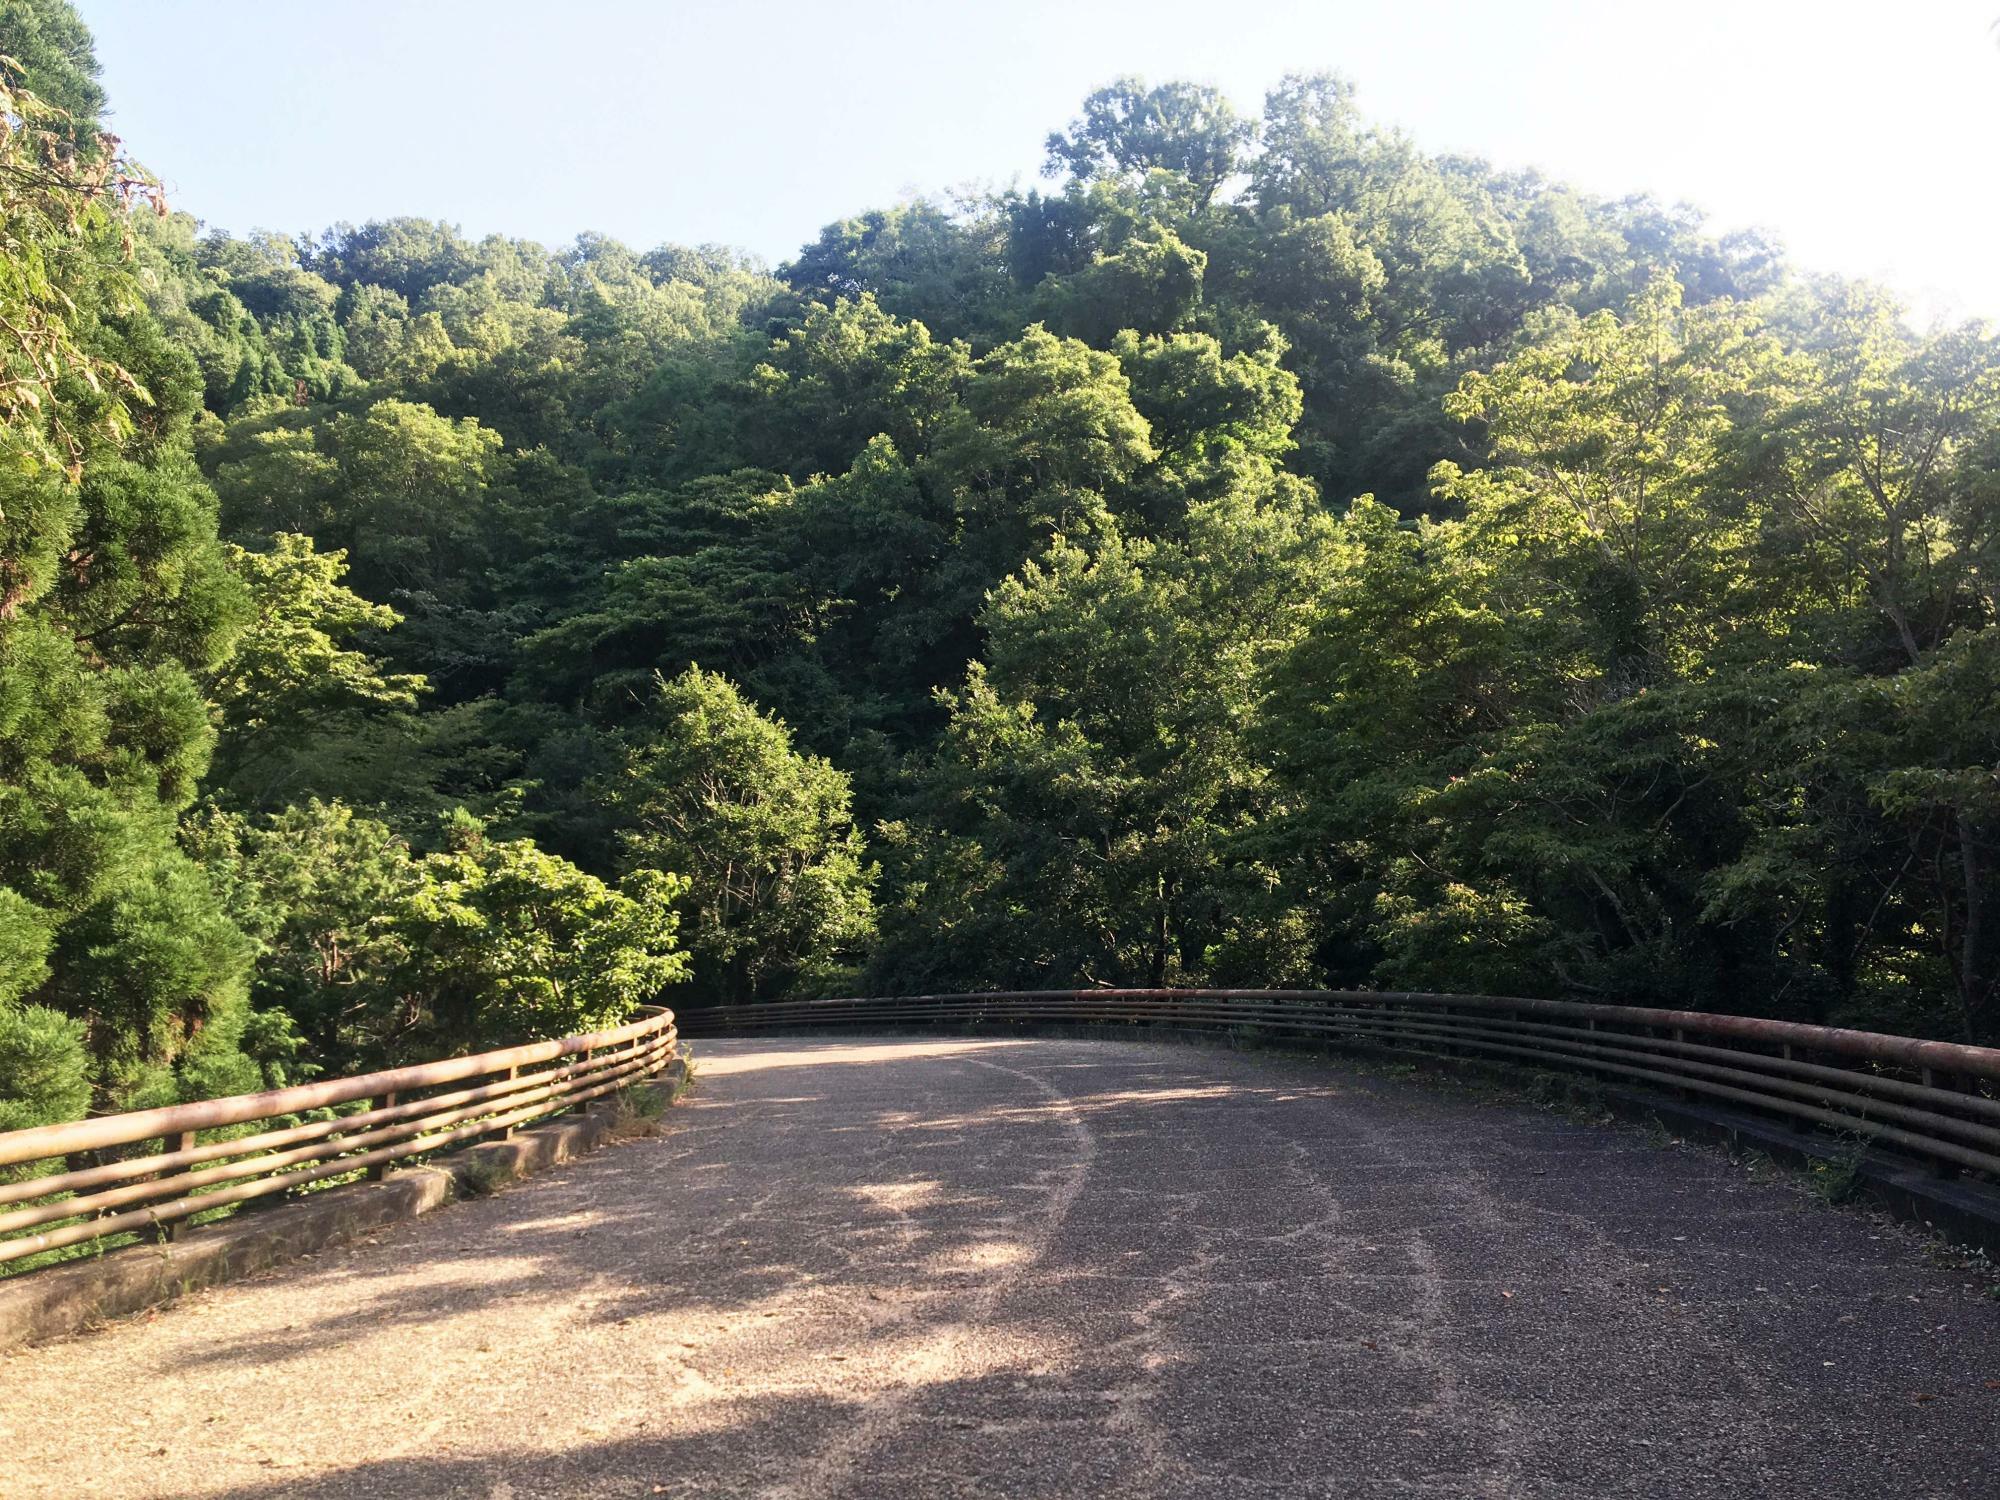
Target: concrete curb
column 1964, row 1211
column 67, row 1299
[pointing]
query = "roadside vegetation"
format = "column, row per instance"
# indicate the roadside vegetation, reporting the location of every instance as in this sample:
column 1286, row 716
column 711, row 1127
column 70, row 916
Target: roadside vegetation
column 1262, row 553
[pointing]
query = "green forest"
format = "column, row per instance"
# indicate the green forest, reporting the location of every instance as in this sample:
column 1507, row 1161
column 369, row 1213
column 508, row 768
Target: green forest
column 1259, row 553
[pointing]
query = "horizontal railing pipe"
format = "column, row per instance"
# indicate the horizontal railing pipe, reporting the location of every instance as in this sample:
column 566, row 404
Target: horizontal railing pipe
column 157, row 1190
column 41, row 1141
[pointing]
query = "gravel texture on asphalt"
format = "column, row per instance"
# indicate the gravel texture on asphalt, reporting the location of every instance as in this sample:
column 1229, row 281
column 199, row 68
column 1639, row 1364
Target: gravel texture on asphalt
column 951, row 1267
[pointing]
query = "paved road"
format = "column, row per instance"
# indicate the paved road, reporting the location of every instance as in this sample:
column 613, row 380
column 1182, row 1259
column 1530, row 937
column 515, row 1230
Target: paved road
column 1061, row 1269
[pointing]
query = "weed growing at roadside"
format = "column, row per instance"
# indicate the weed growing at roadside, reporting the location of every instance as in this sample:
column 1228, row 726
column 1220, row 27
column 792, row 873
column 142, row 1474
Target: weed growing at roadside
column 1837, row 1179
column 479, row 1176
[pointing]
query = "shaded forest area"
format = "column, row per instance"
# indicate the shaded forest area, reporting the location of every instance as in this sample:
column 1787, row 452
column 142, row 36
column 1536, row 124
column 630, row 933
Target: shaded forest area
column 1265, row 554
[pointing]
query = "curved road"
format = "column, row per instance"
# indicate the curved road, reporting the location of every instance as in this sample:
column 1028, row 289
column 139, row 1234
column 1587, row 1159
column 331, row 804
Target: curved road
column 1061, row 1269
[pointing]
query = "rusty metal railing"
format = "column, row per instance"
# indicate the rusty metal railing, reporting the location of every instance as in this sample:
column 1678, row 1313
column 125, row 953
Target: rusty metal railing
column 1936, row 1101
column 82, row 1180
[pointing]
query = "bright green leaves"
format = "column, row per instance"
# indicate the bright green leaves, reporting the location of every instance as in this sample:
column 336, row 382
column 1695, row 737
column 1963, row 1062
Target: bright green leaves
column 1151, row 284
column 1197, row 401
column 850, row 372
column 1452, row 273
column 117, row 962
column 777, row 894
column 404, row 492
column 1185, row 130
column 1665, row 712
column 938, row 267
column 1865, row 449
column 1094, row 776
column 1608, row 437
column 295, row 682
column 845, row 601
column 153, row 963
column 382, row 955
column 27, row 933
column 44, row 1069
column 63, row 192
column 1049, row 416
column 508, row 941
column 1452, row 938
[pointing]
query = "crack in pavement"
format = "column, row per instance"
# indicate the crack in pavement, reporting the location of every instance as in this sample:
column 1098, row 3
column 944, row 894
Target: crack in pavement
column 881, row 1413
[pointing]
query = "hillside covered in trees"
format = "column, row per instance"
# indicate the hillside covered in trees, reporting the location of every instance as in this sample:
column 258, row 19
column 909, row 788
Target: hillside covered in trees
column 1262, row 554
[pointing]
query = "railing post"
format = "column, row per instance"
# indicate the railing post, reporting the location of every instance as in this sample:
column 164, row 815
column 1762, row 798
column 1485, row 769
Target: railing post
column 381, row 1168
column 1937, row 1166
column 507, row 1134
column 166, row 1231
column 1680, row 1035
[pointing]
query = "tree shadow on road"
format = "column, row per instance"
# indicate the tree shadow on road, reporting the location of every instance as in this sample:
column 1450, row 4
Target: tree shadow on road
column 1072, row 1270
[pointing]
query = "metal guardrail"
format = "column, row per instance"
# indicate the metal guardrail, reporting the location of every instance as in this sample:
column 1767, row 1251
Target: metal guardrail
column 1937, row 1101
column 96, row 1190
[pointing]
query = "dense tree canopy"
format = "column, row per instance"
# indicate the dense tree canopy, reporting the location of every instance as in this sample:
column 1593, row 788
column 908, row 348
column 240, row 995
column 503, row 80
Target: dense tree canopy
column 1265, row 553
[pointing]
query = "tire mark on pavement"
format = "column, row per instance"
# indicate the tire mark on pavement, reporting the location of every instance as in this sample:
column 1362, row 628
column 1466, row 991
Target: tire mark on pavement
column 880, row 1414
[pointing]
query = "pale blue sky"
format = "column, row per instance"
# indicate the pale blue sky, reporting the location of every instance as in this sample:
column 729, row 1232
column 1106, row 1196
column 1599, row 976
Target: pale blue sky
column 1865, row 133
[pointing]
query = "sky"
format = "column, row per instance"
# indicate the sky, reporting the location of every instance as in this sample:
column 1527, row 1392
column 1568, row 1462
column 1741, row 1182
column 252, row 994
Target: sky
column 1864, row 134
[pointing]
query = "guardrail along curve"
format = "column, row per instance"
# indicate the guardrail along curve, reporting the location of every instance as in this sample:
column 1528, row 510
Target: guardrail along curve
column 406, row 1112
column 1936, row 1101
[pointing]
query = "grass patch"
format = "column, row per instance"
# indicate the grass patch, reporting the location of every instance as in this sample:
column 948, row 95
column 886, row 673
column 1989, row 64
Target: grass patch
column 638, row 1107
column 480, row 1176
column 684, row 1084
column 636, row 1111
column 1837, row 1180
column 641, row 1102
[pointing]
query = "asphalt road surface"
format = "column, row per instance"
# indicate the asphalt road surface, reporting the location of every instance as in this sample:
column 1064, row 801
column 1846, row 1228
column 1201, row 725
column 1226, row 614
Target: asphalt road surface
column 928, row 1269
